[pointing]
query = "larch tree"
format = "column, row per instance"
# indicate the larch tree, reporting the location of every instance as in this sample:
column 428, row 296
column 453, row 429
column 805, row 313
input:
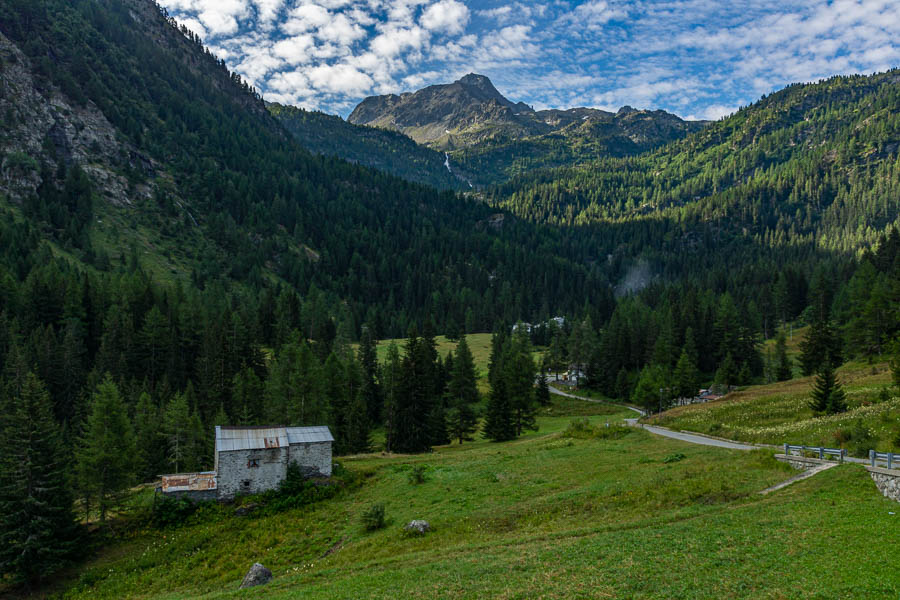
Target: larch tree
column 106, row 454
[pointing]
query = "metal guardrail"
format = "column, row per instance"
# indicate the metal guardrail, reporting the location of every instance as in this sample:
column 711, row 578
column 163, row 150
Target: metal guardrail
column 889, row 457
column 838, row 453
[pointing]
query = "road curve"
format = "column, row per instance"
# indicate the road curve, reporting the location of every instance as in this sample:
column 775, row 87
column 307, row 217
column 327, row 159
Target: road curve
column 677, row 435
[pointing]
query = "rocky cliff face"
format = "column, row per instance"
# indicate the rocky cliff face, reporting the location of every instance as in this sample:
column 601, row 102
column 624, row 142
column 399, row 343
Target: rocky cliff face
column 43, row 127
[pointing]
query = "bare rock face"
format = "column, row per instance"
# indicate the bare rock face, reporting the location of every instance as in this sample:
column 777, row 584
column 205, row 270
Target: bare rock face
column 417, row 527
column 257, row 575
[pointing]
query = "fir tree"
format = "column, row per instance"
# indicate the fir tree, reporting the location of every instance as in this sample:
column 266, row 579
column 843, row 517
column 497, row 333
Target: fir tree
column 828, row 396
column 106, row 456
column 37, row 527
column 462, row 394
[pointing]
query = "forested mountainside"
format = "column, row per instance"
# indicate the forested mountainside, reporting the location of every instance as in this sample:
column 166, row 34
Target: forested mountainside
column 492, row 138
column 125, row 138
column 383, row 149
column 816, row 163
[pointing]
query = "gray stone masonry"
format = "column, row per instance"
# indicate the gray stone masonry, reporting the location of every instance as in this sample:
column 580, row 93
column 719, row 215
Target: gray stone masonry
column 887, row 481
column 251, row 471
column 313, row 458
column 802, row 463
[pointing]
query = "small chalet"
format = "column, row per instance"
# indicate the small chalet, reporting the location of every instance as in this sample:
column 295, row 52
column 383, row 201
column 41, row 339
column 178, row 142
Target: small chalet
column 250, row 460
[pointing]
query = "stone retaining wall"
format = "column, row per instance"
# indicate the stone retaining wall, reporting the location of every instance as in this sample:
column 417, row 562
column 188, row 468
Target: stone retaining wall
column 887, row 481
column 801, row 462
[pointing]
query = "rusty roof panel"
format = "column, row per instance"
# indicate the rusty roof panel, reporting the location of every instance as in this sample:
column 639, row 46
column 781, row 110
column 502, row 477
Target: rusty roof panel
column 185, row 482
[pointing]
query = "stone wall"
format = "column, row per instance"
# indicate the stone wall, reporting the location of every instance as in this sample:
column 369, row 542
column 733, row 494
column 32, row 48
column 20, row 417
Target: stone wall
column 801, row 462
column 313, row 458
column 195, row 495
column 238, row 475
column 887, row 481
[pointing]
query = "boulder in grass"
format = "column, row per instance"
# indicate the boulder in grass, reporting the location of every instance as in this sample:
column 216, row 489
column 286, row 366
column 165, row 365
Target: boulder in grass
column 417, row 527
column 257, row 575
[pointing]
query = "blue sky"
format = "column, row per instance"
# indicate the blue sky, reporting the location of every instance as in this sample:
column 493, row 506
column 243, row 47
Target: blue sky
column 696, row 58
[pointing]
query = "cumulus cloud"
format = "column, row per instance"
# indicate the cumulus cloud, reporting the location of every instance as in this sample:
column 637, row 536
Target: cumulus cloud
column 448, row 16
column 693, row 57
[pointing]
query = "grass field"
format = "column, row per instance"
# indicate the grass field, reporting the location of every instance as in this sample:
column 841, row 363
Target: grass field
column 779, row 413
column 546, row 516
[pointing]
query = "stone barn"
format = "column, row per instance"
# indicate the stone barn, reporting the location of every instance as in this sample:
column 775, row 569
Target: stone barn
column 250, row 460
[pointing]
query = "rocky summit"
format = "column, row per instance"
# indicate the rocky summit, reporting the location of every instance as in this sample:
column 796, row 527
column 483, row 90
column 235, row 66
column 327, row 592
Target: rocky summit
column 471, row 112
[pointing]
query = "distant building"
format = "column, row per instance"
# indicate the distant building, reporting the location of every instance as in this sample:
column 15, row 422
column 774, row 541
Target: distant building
column 250, row 460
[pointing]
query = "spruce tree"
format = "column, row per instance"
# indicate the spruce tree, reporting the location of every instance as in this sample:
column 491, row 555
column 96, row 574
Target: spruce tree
column 783, row 366
column 38, row 533
column 462, row 394
column 828, row 396
column 542, row 393
column 686, row 377
column 149, row 438
column 391, row 374
column 106, row 455
column 368, row 360
column 519, row 371
column 499, row 424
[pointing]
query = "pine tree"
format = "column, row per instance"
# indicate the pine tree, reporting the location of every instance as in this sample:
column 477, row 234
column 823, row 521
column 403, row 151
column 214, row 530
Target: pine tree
column 37, row 528
column 822, row 344
column 106, row 455
column 462, row 394
column 828, row 396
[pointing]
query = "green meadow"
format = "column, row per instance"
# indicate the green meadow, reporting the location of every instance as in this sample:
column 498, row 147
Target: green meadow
column 607, row 513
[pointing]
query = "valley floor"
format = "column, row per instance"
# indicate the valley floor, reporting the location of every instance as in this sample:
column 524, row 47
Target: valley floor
column 546, row 516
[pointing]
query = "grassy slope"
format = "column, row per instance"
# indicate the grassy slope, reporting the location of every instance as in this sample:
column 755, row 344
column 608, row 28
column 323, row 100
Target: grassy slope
column 544, row 516
column 779, row 412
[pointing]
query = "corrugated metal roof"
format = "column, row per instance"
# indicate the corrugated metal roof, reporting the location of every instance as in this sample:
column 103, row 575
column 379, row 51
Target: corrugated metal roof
column 250, row 438
column 306, row 435
column 257, row 438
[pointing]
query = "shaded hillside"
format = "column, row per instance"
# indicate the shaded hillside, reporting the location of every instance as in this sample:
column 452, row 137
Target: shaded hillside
column 127, row 139
column 382, row 149
column 494, row 138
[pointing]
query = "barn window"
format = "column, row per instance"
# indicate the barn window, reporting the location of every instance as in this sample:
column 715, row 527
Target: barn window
column 253, row 462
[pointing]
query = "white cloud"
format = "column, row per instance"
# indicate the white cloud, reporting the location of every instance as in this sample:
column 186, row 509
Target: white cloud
column 448, row 16
column 694, row 57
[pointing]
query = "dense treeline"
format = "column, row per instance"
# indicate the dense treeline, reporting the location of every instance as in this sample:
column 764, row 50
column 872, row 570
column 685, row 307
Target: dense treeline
column 665, row 341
